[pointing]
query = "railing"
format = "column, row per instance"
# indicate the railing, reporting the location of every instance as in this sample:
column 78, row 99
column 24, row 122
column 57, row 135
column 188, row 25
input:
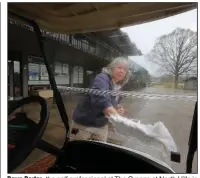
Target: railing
column 96, row 48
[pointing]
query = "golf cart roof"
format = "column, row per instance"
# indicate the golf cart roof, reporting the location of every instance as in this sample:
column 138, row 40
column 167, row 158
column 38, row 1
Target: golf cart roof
column 90, row 17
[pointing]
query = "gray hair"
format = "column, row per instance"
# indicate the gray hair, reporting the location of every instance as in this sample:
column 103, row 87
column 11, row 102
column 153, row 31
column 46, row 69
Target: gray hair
column 109, row 67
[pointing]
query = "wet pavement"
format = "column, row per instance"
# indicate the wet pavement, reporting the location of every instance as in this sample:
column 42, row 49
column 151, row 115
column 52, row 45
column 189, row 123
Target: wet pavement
column 176, row 116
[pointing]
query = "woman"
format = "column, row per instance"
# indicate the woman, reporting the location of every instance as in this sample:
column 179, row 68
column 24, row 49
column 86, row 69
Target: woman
column 90, row 117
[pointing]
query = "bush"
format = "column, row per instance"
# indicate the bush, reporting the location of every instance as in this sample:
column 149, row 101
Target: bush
column 168, row 85
column 180, row 86
column 171, row 85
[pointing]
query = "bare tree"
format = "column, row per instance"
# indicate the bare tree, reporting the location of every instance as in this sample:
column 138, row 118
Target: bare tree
column 176, row 53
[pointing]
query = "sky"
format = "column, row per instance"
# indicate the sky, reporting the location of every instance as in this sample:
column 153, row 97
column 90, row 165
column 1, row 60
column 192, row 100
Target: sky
column 144, row 35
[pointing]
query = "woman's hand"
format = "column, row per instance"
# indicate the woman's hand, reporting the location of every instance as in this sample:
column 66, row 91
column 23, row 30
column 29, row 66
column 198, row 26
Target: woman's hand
column 120, row 109
column 114, row 111
column 110, row 111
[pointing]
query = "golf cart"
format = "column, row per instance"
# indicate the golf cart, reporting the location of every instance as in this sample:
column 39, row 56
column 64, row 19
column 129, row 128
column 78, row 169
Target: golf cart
column 81, row 156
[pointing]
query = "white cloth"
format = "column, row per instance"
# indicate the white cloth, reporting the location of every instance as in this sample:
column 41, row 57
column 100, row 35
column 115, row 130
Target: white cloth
column 153, row 139
column 157, row 130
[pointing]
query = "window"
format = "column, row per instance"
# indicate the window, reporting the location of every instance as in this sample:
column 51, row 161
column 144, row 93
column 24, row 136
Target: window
column 43, row 72
column 61, row 73
column 75, row 74
column 61, row 69
column 65, row 69
column 58, row 68
column 78, row 75
column 16, row 67
column 33, row 71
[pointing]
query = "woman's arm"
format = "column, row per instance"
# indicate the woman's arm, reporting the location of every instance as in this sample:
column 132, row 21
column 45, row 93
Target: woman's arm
column 102, row 82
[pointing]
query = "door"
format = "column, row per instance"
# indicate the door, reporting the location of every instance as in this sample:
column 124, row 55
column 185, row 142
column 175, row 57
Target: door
column 14, row 80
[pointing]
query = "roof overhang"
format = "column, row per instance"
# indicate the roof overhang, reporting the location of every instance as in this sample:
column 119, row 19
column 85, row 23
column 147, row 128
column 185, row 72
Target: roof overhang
column 90, row 17
column 122, row 41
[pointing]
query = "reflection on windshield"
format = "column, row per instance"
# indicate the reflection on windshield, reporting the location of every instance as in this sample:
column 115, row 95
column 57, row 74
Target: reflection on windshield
column 150, row 117
column 150, row 113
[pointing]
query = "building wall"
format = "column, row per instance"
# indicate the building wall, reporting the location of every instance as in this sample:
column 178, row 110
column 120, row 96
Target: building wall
column 24, row 41
column 77, row 62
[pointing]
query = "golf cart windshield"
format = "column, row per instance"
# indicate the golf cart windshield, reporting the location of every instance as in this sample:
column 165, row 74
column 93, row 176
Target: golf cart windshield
column 149, row 125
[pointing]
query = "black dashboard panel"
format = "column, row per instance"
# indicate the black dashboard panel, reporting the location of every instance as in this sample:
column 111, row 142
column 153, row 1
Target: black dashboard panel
column 96, row 157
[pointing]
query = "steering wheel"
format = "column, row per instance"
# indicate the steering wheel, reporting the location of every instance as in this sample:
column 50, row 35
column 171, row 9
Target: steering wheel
column 23, row 133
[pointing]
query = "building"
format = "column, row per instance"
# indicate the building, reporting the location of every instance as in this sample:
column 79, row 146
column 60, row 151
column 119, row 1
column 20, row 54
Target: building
column 75, row 59
column 139, row 78
column 190, row 83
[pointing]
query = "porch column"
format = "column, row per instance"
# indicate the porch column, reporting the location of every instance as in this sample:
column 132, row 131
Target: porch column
column 71, row 75
column 24, row 75
column 11, row 79
column 84, row 77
